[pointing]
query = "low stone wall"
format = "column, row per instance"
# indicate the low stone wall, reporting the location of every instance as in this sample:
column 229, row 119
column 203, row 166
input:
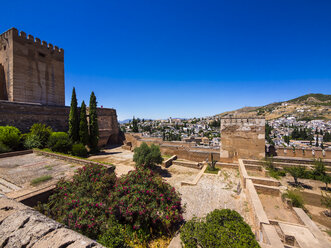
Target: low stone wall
column 197, row 178
column 13, row 154
column 168, row 162
column 303, row 153
column 183, row 150
column 189, row 153
column 22, row 226
column 188, row 164
column 263, row 230
column 268, row 190
column 111, row 168
column 24, row 115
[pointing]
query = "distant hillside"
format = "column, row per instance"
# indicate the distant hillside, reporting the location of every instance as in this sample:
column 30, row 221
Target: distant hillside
column 307, row 107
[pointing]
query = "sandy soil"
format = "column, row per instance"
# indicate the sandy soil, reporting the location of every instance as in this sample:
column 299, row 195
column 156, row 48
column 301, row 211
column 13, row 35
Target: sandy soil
column 275, row 209
column 121, row 158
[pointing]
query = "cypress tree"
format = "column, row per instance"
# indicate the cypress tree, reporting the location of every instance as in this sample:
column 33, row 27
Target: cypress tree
column 73, row 118
column 93, row 123
column 83, row 127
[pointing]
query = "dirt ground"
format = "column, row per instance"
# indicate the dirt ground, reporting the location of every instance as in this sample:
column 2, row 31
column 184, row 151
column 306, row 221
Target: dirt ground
column 311, row 194
column 121, row 158
column 276, row 209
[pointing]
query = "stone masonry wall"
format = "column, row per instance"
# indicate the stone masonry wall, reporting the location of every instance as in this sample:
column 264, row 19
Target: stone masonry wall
column 34, row 70
column 23, row 116
column 21, row 226
column 242, row 138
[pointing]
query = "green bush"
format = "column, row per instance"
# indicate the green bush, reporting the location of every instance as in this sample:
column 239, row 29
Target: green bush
column 220, row 228
column 273, row 171
column 32, row 141
column 79, row 150
column 295, row 197
column 59, row 142
column 4, row 148
column 41, row 132
column 114, row 236
column 10, row 136
column 147, row 157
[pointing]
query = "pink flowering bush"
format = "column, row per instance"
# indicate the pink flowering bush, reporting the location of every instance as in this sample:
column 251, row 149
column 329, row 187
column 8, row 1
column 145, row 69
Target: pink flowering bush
column 144, row 201
column 138, row 206
column 81, row 203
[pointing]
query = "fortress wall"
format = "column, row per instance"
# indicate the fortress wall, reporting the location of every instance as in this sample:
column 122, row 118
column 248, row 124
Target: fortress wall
column 306, row 153
column 6, row 66
column 34, row 69
column 24, row 115
column 242, row 138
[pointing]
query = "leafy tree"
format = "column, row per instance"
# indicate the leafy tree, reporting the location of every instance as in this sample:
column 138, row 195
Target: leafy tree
column 319, row 169
column 73, row 119
column 83, row 126
column 327, row 137
column 325, row 179
column 286, row 139
column 147, row 157
column 316, row 144
column 296, row 172
column 212, row 164
column 134, row 126
column 93, row 124
column 326, row 201
column 220, row 228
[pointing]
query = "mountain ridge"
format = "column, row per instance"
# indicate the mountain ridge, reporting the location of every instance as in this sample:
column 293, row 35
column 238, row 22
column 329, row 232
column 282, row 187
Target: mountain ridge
column 307, row 107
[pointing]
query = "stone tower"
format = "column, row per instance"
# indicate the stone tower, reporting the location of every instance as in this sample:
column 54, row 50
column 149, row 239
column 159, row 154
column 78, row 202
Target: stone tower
column 31, row 71
column 242, row 138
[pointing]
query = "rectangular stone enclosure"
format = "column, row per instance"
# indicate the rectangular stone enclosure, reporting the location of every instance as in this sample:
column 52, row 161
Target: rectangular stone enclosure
column 242, row 138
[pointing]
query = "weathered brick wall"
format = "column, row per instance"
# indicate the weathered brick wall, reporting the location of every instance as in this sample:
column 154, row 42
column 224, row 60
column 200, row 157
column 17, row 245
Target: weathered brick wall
column 24, row 115
column 34, row 70
column 242, row 138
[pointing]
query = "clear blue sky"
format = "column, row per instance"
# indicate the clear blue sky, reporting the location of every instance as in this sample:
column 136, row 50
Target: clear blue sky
column 155, row 59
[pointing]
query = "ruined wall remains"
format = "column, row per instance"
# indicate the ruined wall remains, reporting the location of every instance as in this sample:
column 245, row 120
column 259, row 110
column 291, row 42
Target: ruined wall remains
column 183, row 150
column 30, row 70
column 24, row 115
column 242, row 138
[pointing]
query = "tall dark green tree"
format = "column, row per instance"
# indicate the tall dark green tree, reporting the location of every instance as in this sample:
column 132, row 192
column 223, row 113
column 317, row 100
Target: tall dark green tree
column 73, row 119
column 135, row 128
column 93, row 124
column 83, row 126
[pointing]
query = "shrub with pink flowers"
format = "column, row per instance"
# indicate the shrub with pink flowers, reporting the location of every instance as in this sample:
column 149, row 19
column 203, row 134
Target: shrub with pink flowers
column 81, row 203
column 148, row 204
column 140, row 203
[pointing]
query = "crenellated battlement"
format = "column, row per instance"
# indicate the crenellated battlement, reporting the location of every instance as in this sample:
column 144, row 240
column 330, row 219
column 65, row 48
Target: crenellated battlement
column 33, row 69
column 23, row 37
column 257, row 121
